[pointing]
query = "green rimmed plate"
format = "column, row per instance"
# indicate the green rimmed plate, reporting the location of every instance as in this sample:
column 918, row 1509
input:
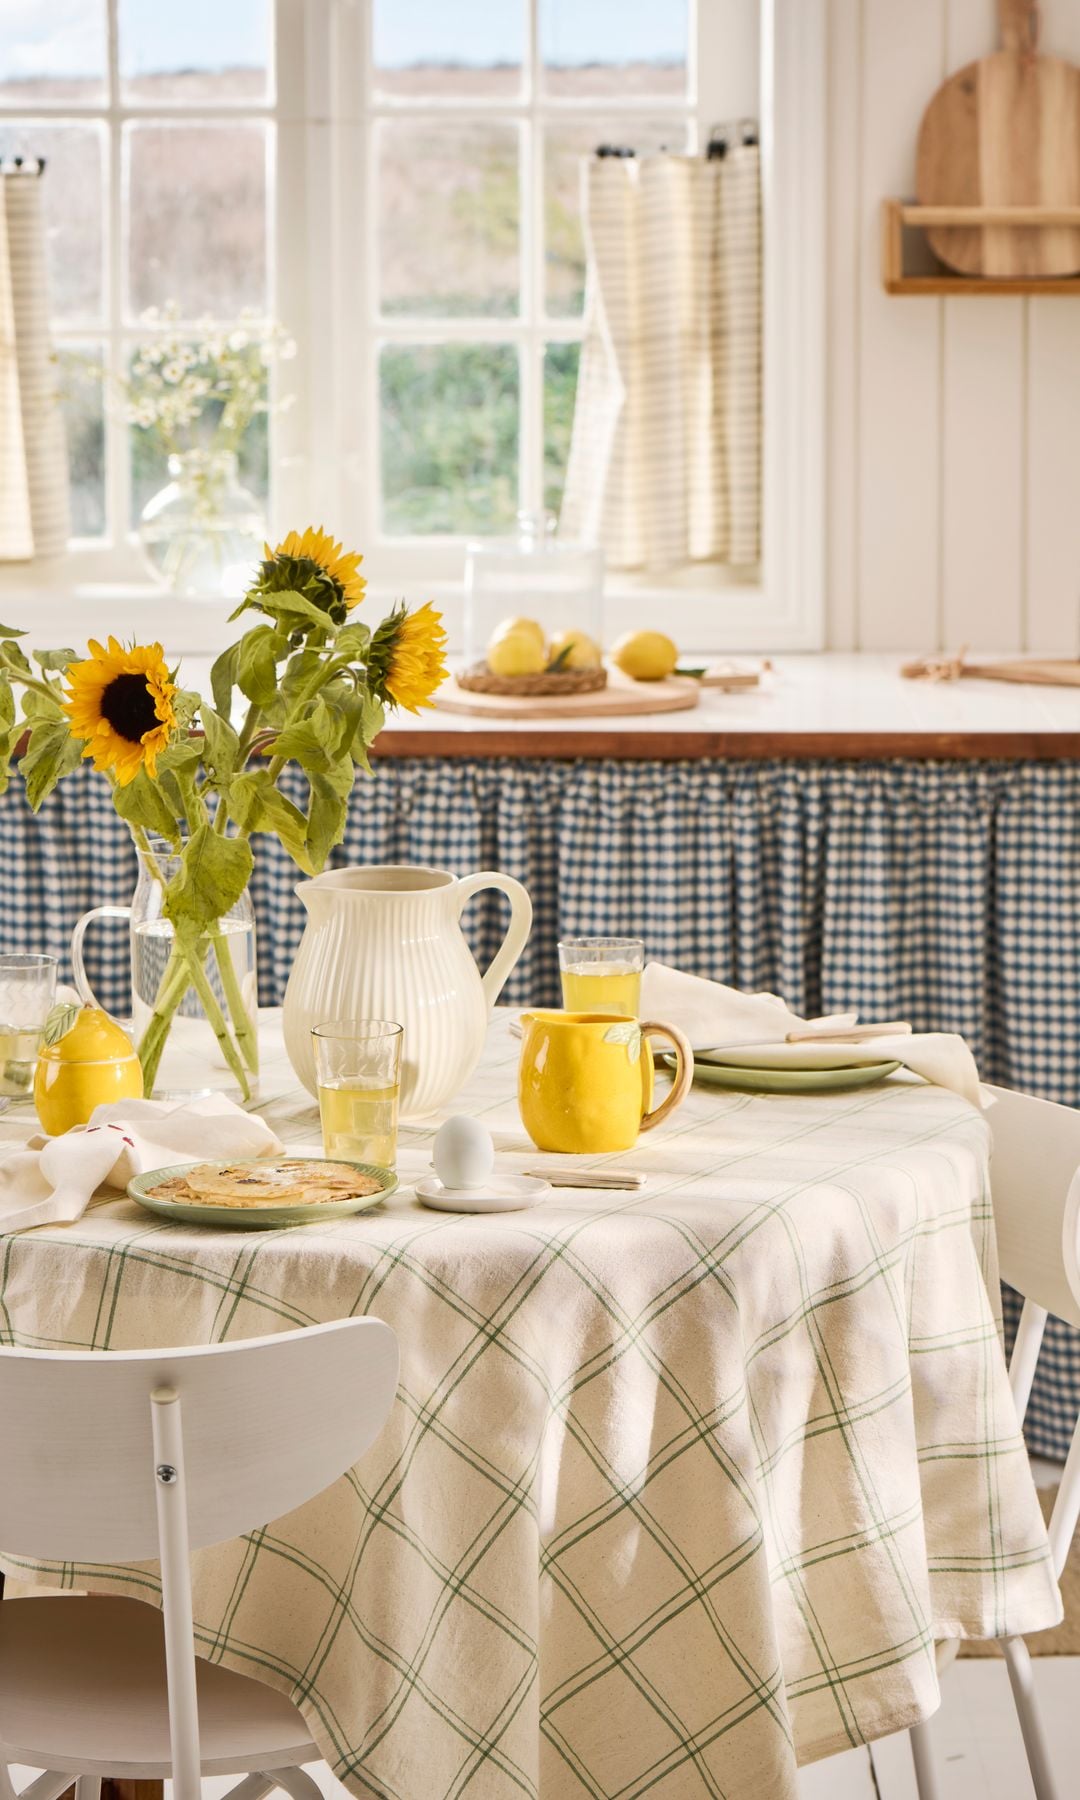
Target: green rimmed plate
column 789, row 1081
column 257, row 1218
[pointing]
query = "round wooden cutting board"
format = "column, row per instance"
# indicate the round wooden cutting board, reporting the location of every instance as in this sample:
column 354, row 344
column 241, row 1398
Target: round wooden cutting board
column 621, row 696
column 1005, row 131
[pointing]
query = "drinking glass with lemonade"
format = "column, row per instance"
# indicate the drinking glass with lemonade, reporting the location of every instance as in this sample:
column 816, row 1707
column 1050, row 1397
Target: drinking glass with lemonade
column 602, row 975
column 27, row 991
column 358, row 1074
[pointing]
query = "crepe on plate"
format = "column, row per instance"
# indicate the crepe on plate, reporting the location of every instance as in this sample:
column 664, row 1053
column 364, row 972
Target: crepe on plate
column 290, row 1181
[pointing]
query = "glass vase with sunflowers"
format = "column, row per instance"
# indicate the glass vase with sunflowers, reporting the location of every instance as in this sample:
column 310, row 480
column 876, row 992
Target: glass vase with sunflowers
column 195, row 777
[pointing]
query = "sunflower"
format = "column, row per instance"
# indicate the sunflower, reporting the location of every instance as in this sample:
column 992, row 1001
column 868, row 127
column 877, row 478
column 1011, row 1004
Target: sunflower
column 317, row 546
column 120, row 702
column 408, row 656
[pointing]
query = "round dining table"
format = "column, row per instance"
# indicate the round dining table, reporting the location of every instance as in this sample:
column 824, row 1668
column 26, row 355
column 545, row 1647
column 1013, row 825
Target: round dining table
column 681, row 1483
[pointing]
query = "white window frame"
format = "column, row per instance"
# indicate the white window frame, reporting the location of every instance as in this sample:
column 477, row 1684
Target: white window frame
column 325, row 464
column 114, row 557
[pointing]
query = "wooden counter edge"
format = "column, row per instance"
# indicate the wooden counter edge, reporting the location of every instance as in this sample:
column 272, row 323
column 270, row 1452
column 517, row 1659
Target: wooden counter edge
column 736, row 746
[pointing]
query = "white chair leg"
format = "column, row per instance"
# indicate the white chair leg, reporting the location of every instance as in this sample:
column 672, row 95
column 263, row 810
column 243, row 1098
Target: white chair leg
column 253, row 1787
column 88, row 1787
column 296, row 1783
column 922, row 1755
column 1022, row 1678
column 49, row 1786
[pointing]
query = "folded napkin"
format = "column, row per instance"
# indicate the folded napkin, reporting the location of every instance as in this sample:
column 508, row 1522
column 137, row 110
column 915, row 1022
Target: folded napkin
column 52, row 1180
column 724, row 1020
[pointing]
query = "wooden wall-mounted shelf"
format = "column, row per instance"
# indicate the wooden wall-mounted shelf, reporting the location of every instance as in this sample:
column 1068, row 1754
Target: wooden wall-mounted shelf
column 896, row 214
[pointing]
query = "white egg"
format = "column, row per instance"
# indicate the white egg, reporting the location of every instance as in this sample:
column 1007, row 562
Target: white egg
column 463, row 1153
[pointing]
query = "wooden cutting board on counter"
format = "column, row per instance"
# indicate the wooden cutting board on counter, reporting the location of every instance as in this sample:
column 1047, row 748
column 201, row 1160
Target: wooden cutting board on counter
column 619, row 698
column 1005, row 132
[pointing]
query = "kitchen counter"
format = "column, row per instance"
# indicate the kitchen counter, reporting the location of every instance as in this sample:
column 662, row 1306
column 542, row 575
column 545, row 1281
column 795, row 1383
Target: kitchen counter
column 829, row 706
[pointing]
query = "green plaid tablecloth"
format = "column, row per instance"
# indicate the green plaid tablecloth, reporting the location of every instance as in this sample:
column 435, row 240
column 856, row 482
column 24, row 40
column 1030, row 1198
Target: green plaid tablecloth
column 680, row 1485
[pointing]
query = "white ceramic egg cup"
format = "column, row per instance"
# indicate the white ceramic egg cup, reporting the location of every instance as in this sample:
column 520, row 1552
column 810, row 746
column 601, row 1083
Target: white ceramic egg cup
column 513, row 1193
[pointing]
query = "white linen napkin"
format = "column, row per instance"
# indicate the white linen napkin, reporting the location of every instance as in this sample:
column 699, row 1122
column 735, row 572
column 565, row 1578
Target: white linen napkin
column 753, row 1028
column 52, row 1181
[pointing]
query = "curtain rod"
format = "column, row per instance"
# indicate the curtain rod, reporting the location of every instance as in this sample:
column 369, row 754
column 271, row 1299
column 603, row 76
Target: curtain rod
column 22, row 165
column 739, row 132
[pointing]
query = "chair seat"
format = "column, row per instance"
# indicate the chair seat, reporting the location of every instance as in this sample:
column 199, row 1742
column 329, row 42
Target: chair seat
column 82, row 1689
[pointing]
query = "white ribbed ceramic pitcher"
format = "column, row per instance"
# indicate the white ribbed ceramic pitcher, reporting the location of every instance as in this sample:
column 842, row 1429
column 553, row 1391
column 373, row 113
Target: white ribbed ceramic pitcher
column 386, row 943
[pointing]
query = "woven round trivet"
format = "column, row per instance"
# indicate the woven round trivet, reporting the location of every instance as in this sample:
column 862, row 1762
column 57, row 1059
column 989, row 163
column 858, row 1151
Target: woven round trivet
column 478, row 679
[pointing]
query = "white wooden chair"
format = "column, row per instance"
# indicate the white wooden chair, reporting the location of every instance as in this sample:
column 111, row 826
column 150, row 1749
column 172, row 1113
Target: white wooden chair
column 1035, row 1181
column 124, row 1457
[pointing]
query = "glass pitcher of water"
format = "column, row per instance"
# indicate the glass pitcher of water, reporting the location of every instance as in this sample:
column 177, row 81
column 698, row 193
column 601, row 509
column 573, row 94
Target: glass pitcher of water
column 184, row 1009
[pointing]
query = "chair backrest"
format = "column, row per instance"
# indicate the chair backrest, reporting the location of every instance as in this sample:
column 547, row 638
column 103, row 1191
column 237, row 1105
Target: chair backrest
column 1036, row 1188
column 267, row 1423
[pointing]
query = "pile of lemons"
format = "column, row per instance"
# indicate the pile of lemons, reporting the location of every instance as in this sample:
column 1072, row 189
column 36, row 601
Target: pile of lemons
column 519, row 647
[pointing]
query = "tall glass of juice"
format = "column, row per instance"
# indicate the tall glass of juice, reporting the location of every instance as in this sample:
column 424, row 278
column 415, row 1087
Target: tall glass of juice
column 602, row 975
column 27, row 991
column 358, row 1073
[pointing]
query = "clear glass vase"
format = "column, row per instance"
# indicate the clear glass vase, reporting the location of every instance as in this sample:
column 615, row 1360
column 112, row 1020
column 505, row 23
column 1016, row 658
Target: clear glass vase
column 203, row 533
column 194, row 1007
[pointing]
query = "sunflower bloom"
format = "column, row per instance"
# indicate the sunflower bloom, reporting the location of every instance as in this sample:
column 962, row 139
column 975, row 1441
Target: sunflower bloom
column 120, row 702
column 416, row 663
column 317, row 546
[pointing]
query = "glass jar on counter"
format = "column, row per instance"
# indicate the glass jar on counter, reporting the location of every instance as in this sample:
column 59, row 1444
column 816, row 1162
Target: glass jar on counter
column 531, row 575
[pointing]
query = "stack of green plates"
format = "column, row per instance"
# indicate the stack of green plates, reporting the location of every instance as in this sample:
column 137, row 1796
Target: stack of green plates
column 788, row 1081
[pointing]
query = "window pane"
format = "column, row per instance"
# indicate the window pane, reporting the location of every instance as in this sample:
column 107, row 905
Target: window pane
column 52, row 50
column 73, row 196
column 448, row 219
column 81, row 397
column 560, row 385
column 564, row 146
column 197, row 51
column 449, row 424
column 197, row 217
column 430, row 47
column 149, row 453
column 624, row 47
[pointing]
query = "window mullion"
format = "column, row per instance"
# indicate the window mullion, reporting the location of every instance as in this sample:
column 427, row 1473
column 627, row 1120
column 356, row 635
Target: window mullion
column 117, row 435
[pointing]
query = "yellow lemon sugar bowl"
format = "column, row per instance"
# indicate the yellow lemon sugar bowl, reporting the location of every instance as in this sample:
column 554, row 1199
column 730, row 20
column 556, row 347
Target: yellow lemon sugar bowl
column 92, row 1063
column 585, row 1082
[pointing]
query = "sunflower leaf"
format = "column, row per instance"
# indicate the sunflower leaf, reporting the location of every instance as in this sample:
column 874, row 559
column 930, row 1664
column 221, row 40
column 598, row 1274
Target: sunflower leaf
column 291, row 609
column 12, row 659
column 223, row 678
column 352, row 641
column 51, row 754
column 310, row 741
column 328, row 811
column 213, row 873
column 143, row 802
column 222, row 743
column 55, row 659
column 11, row 631
column 260, row 651
column 255, row 804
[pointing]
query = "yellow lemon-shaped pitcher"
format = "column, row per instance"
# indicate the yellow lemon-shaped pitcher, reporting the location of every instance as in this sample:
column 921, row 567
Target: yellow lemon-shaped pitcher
column 92, row 1063
column 585, row 1083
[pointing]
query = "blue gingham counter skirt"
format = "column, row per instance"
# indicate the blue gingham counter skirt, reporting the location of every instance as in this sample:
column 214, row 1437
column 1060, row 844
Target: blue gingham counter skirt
column 943, row 893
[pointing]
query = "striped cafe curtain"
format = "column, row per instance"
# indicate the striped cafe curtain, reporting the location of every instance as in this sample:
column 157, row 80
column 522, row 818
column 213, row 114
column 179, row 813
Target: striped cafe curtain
column 665, row 455
column 34, row 507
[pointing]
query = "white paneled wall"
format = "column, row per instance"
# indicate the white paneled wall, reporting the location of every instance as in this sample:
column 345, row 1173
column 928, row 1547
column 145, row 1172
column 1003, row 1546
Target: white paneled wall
column 954, row 424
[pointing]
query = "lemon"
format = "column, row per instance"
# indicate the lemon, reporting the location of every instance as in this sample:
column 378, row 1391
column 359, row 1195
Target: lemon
column 507, row 626
column 583, row 652
column 645, row 655
column 92, row 1063
column 516, row 653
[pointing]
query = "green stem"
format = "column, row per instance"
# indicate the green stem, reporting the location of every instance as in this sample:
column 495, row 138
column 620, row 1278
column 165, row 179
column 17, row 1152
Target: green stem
column 246, row 1036
column 215, row 1016
column 171, row 990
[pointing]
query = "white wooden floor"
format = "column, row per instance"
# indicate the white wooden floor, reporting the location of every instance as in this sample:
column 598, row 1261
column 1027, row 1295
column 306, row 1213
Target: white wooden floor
column 979, row 1752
